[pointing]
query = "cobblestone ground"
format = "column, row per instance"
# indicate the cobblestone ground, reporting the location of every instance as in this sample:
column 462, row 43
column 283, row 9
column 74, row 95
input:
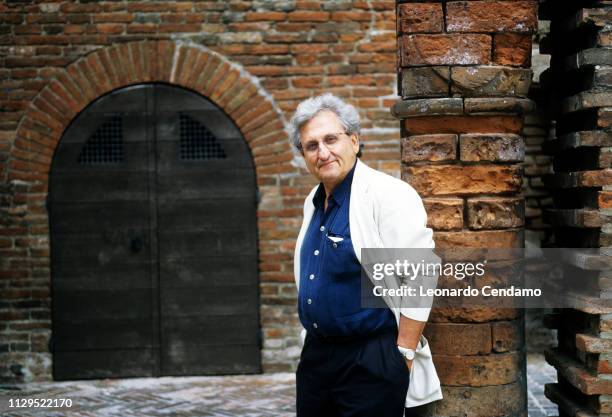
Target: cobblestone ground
column 538, row 374
column 270, row 395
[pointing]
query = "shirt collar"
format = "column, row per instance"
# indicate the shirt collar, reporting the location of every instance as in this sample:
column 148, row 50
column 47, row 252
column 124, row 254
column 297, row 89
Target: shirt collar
column 340, row 193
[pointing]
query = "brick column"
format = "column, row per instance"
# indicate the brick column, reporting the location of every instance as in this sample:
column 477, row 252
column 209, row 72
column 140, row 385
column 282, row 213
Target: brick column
column 463, row 77
column 579, row 83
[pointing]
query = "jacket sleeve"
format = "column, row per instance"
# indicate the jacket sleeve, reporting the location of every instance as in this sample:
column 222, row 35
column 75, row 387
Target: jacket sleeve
column 402, row 222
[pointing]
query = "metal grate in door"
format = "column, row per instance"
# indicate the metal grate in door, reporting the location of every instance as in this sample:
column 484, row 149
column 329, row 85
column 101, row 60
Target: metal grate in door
column 105, row 146
column 197, row 142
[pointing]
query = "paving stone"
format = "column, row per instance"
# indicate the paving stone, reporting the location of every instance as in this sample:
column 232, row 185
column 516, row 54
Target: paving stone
column 268, row 395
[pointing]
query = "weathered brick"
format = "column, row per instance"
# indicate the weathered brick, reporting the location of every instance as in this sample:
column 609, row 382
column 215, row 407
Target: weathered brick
column 576, row 374
column 605, row 199
column 459, row 339
column 491, row 105
column 147, row 7
column 478, row 371
column 495, row 212
column 494, row 148
column 472, row 49
column 462, row 124
column 351, row 16
column 491, row 16
column 308, row 16
column 512, row 49
column 482, row 239
column 441, row 147
column 427, row 106
column 421, row 17
column 592, row 344
column 444, row 213
column 506, row 400
column 425, row 81
column 110, row 28
column 507, row 335
column 490, row 81
column 437, row 180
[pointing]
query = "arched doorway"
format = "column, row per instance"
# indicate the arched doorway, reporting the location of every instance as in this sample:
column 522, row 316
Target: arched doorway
column 152, row 205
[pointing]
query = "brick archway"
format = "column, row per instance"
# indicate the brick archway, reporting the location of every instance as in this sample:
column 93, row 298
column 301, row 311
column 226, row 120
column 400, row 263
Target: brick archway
column 70, row 90
column 104, row 70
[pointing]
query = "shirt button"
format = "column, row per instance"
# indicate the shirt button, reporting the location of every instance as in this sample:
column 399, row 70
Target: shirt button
column 311, row 276
column 335, row 245
column 309, row 301
column 315, row 325
column 322, row 228
column 316, row 252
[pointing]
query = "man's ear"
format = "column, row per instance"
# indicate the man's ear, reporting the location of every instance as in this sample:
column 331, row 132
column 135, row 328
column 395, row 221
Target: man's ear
column 355, row 142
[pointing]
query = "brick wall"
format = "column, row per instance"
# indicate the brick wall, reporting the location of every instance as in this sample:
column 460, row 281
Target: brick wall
column 256, row 59
column 578, row 84
column 465, row 77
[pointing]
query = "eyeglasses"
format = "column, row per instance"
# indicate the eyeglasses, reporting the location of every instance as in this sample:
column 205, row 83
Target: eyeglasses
column 329, row 140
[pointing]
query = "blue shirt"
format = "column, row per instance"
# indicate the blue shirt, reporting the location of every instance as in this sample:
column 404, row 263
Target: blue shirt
column 329, row 300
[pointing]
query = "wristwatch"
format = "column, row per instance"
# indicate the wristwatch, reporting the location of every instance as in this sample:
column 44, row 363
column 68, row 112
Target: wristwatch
column 406, row 353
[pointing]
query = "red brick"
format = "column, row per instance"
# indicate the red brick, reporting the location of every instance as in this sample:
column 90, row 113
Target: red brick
column 80, row 8
column 113, row 18
column 147, row 7
column 446, row 49
column 142, row 28
column 438, row 180
column 179, row 27
column 493, row 239
column 491, row 16
column 495, row 212
column 264, row 16
column 351, row 16
column 421, row 17
column 493, row 148
column 292, row 27
column 512, row 49
column 507, row 335
column 444, row 213
column 605, row 199
column 442, row 147
column 459, row 339
column 463, row 124
column 307, row 16
column 576, row 374
column 110, row 28
column 477, row 371
column 504, row 400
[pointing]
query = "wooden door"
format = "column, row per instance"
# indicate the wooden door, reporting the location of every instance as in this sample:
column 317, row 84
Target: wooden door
column 153, row 240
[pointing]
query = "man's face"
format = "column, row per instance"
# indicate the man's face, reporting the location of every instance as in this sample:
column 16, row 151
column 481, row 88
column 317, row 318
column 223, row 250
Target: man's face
column 330, row 162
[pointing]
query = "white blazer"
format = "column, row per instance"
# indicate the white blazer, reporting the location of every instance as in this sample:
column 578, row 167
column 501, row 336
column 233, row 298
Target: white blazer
column 388, row 213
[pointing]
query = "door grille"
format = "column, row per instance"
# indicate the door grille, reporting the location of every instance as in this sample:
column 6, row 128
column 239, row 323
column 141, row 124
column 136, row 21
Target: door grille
column 105, row 146
column 197, row 142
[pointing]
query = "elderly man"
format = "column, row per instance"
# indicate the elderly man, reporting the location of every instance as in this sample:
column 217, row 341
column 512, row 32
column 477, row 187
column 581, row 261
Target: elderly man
column 356, row 361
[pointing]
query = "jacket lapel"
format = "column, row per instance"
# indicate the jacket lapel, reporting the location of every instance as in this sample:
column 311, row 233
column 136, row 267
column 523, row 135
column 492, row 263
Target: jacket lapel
column 309, row 209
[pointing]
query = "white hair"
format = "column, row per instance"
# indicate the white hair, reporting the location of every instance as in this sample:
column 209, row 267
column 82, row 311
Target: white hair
column 307, row 109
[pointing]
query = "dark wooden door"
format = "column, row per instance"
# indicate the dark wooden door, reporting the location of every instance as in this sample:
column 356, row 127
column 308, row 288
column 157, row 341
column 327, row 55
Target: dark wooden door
column 153, row 240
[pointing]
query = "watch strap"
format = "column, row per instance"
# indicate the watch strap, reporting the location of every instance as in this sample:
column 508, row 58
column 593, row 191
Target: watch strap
column 406, row 352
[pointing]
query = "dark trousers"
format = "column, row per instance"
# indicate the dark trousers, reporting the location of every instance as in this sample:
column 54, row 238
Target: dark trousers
column 425, row 410
column 365, row 377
